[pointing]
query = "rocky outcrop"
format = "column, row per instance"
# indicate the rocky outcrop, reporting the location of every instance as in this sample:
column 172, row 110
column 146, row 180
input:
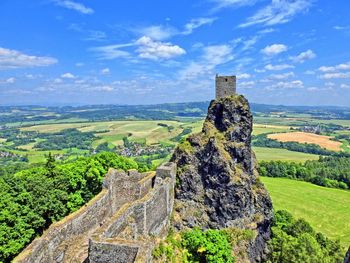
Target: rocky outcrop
column 217, row 182
column 347, row 256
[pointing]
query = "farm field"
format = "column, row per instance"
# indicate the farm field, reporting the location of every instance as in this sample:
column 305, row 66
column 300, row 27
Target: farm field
column 151, row 132
column 273, row 154
column 262, row 128
column 114, row 131
column 303, row 137
column 326, row 209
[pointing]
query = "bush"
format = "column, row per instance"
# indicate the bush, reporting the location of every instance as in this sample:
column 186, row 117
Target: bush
column 209, row 246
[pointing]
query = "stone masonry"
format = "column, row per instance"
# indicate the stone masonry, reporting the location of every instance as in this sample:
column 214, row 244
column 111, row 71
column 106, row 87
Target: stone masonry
column 225, row 86
column 118, row 225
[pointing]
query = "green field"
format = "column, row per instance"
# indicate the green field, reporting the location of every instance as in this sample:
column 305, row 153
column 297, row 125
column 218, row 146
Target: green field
column 326, row 209
column 114, row 131
column 274, row 154
column 262, row 128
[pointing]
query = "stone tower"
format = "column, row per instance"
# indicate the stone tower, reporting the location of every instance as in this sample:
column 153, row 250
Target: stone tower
column 225, row 86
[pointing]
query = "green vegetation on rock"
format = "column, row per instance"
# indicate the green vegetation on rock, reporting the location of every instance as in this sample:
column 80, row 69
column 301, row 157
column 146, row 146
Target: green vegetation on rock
column 198, row 245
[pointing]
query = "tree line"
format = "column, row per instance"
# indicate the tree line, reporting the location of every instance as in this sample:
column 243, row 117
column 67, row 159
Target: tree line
column 328, row 171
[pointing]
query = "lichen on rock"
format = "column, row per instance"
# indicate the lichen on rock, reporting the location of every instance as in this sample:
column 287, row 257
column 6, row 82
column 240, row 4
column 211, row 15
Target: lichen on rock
column 217, row 180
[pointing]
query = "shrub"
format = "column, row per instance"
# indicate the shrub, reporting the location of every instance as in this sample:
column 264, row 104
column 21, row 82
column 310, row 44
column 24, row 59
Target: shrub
column 209, row 246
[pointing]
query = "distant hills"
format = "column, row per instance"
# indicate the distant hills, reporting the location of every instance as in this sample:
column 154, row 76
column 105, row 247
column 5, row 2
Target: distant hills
column 166, row 111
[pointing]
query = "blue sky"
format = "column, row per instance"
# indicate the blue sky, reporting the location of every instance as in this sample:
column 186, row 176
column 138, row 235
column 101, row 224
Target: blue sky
column 59, row 52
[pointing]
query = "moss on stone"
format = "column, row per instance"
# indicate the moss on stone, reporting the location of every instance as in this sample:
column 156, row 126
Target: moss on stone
column 185, row 146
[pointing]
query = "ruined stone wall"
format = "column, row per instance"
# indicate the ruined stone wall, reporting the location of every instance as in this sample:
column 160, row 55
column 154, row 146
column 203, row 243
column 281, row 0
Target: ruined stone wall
column 225, row 86
column 68, row 239
column 128, row 235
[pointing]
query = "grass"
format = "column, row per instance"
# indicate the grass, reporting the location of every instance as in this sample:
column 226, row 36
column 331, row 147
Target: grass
column 27, row 123
column 114, row 131
column 273, row 154
column 326, row 209
column 262, row 128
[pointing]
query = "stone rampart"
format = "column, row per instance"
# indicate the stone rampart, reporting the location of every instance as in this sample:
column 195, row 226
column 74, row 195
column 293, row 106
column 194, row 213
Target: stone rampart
column 130, row 209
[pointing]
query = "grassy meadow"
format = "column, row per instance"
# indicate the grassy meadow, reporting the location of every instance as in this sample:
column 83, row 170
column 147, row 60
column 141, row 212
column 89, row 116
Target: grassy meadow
column 273, row 154
column 326, row 209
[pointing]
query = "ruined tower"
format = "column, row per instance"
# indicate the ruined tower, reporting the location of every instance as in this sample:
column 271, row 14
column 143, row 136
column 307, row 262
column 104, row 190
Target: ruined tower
column 225, row 86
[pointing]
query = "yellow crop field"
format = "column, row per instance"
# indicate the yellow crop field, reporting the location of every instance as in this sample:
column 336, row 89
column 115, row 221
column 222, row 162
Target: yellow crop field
column 303, row 137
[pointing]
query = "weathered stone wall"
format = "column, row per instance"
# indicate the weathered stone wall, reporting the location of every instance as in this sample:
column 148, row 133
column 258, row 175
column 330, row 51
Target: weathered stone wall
column 129, row 233
column 225, row 86
column 123, row 202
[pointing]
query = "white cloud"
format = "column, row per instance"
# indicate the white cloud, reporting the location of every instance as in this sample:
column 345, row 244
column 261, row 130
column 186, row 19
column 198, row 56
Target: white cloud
column 105, row 71
column 212, row 56
column 217, row 54
column 75, row 6
column 11, row 59
column 345, row 86
column 342, row 28
column 266, row 31
column 232, row 3
column 329, row 84
column 96, row 35
column 146, row 48
column 150, row 49
column 313, row 89
column 246, row 84
column 247, row 44
column 303, row 56
column 30, row 76
column 278, row 12
column 243, row 76
column 11, row 80
column 197, row 22
column 309, row 72
column 343, row 66
column 8, row 81
column 336, row 75
column 57, row 80
column 111, row 51
column 278, row 67
column 274, row 49
column 105, row 88
column 282, row 76
column 260, row 70
column 67, row 76
column 287, row 85
column 158, row 32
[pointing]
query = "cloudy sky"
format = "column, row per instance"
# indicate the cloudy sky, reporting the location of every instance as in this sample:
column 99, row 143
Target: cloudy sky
column 59, row 52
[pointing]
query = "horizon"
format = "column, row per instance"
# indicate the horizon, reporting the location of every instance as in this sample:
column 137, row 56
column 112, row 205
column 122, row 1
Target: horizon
column 154, row 104
column 284, row 52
